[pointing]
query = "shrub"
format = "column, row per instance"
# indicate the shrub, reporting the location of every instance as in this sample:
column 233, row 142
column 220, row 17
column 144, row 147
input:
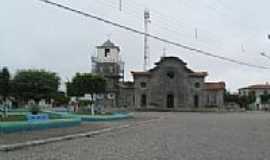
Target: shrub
column 35, row 109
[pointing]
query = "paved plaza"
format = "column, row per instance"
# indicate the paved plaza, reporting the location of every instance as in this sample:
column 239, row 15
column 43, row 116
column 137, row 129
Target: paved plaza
column 176, row 136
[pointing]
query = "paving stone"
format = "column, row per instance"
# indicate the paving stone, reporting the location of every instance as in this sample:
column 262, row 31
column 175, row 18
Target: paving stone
column 185, row 136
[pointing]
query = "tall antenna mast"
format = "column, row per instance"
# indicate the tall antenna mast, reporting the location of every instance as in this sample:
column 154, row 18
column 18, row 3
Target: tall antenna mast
column 164, row 52
column 196, row 33
column 146, row 46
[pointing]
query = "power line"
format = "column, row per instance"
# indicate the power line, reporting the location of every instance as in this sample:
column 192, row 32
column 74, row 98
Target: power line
column 161, row 22
column 170, row 24
column 212, row 8
column 206, row 53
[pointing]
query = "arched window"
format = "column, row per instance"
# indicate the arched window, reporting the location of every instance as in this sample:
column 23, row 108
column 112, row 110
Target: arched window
column 143, row 85
column 170, row 101
column 197, row 85
column 170, row 74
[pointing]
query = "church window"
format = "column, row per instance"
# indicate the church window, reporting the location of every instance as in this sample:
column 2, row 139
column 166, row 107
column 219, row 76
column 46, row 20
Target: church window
column 170, row 74
column 111, row 69
column 215, row 99
column 143, row 84
column 197, row 85
column 208, row 99
column 107, row 51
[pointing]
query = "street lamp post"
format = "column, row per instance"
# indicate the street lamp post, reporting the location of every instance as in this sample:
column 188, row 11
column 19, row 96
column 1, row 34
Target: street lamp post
column 264, row 55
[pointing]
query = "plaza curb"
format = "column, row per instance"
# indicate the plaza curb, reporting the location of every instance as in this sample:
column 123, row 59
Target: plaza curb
column 16, row 146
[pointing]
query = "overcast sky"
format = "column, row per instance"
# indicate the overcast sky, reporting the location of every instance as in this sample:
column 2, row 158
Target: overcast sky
column 36, row 35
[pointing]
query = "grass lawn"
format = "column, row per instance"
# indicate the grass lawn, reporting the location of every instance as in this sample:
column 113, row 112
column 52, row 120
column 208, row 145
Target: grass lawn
column 13, row 118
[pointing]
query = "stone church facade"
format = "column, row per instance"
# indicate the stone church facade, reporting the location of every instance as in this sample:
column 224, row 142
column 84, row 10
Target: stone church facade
column 172, row 85
column 169, row 85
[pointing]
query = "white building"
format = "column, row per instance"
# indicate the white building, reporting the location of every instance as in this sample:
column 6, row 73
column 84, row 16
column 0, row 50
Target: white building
column 257, row 90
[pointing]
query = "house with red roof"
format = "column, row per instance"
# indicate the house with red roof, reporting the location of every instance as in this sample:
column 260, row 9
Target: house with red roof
column 257, row 90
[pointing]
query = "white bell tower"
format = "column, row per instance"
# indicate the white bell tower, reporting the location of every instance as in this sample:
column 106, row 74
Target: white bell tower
column 108, row 61
column 108, row 52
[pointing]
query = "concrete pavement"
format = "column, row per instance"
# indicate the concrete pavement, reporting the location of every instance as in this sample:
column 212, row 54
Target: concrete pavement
column 191, row 136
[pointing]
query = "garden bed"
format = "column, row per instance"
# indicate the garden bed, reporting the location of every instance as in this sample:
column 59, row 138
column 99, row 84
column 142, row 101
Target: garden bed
column 12, row 118
column 17, row 122
column 10, row 127
column 22, row 116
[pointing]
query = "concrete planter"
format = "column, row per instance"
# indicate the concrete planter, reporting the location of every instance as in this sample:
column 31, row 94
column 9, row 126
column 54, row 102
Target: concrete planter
column 11, row 127
column 112, row 117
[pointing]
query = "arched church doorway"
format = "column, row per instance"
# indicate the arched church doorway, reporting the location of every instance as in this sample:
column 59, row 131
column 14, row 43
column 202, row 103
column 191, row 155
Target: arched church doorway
column 196, row 101
column 143, row 100
column 170, row 101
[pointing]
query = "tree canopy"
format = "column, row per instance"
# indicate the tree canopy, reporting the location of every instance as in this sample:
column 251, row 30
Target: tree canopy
column 243, row 100
column 86, row 83
column 265, row 98
column 35, row 84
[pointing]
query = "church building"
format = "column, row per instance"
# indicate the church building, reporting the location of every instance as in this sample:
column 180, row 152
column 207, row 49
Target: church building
column 169, row 85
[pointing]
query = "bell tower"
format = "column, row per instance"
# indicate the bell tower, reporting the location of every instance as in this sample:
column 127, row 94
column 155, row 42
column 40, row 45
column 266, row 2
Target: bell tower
column 108, row 63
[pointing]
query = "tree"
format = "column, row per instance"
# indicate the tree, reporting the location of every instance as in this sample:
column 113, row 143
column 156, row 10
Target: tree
column 35, row 84
column 4, row 83
column 265, row 98
column 243, row 101
column 4, row 88
column 231, row 98
column 61, row 99
column 86, row 83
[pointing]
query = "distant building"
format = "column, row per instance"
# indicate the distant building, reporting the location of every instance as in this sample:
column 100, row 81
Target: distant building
column 169, row 85
column 215, row 93
column 257, row 90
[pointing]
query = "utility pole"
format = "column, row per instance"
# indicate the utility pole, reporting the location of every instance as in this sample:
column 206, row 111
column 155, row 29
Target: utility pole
column 146, row 46
column 120, row 5
column 196, row 33
column 243, row 48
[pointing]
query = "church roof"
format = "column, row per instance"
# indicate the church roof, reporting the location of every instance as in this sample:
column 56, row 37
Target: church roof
column 214, row 86
column 140, row 73
column 258, row 86
column 164, row 59
column 108, row 44
column 170, row 58
column 198, row 74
